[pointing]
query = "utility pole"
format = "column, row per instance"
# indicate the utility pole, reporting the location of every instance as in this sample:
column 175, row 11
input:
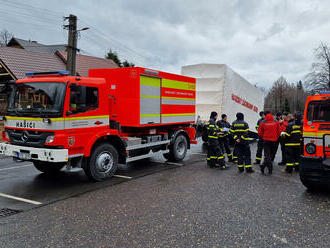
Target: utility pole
column 72, row 44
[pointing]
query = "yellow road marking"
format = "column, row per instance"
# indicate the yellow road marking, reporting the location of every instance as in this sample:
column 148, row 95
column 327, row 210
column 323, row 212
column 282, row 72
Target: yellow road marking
column 20, row 199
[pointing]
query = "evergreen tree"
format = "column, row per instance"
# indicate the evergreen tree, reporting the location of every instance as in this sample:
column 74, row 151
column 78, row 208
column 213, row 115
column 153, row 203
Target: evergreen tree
column 115, row 58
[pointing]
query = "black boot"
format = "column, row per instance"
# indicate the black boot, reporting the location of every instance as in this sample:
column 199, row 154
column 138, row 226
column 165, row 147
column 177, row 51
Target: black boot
column 257, row 161
column 287, row 170
column 249, row 170
column 224, row 166
column 240, row 169
column 270, row 169
column 262, row 168
column 210, row 164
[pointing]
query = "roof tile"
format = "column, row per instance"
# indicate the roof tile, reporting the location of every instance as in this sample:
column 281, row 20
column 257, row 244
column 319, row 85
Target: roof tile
column 20, row 61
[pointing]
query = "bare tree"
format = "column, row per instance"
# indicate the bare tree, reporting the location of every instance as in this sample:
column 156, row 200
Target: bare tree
column 319, row 77
column 5, row 37
column 285, row 97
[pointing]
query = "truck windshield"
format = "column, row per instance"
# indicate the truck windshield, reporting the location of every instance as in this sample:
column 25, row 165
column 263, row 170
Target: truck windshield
column 37, row 98
column 318, row 111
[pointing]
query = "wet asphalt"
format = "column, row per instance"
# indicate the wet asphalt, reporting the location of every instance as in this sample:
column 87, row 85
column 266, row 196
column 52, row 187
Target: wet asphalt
column 162, row 205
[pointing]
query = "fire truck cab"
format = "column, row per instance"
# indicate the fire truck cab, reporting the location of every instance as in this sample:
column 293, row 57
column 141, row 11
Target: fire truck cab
column 113, row 117
column 315, row 161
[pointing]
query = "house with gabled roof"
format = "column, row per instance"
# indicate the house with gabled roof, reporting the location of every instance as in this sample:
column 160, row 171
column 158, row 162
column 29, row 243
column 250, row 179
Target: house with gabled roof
column 22, row 56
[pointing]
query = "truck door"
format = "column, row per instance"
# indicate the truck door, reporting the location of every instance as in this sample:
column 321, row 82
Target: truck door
column 86, row 115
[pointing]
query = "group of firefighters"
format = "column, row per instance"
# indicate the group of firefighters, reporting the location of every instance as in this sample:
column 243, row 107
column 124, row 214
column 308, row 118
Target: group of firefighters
column 284, row 129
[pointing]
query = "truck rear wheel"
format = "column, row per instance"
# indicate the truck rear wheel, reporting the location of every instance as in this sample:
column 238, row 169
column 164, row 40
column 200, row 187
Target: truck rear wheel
column 103, row 163
column 48, row 167
column 178, row 149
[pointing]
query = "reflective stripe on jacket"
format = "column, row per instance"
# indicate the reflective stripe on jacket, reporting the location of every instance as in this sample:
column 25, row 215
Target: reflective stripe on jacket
column 240, row 130
column 293, row 134
column 212, row 132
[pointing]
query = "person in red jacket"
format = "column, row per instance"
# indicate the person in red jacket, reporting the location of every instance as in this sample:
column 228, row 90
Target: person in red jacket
column 269, row 131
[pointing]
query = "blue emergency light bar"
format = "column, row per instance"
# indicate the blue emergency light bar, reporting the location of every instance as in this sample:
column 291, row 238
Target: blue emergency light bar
column 324, row 92
column 50, row 73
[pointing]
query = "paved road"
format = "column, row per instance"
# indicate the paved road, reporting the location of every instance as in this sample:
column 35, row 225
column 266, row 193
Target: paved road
column 163, row 205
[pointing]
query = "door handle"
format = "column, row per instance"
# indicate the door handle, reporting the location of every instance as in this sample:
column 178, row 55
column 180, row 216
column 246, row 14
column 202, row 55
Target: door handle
column 98, row 122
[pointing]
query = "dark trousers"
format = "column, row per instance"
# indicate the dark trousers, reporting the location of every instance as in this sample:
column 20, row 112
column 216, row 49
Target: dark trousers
column 269, row 151
column 224, row 146
column 259, row 150
column 214, row 156
column 244, row 156
column 282, row 142
column 275, row 149
column 235, row 153
column 293, row 157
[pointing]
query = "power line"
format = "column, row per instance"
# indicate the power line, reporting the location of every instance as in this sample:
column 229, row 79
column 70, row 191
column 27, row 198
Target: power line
column 101, row 45
column 24, row 7
column 27, row 15
column 52, row 17
column 108, row 38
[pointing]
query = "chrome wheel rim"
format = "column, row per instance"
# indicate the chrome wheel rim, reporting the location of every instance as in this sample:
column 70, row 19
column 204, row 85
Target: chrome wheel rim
column 104, row 162
column 181, row 148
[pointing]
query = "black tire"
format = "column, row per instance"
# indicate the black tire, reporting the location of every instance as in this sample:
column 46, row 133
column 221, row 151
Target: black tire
column 311, row 186
column 48, row 167
column 178, row 149
column 103, row 163
column 166, row 156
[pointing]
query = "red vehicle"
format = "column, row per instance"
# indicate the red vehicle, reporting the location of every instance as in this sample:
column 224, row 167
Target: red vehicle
column 113, row 116
column 315, row 162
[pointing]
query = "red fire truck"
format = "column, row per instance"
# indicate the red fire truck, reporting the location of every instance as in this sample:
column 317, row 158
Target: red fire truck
column 112, row 117
column 315, row 162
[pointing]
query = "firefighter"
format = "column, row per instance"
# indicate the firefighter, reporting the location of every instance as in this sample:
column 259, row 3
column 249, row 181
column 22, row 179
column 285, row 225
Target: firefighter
column 269, row 131
column 260, row 142
column 292, row 136
column 283, row 125
column 240, row 131
column 224, row 125
column 214, row 156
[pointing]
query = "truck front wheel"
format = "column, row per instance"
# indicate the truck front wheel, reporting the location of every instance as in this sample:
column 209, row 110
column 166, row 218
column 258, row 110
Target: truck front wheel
column 178, row 149
column 311, row 186
column 48, row 167
column 103, row 163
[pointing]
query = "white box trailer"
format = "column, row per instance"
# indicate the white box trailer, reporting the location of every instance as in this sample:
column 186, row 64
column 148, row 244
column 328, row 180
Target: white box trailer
column 220, row 89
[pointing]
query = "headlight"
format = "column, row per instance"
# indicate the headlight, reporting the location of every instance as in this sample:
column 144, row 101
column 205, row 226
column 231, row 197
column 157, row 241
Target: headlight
column 50, row 139
column 310, row 148
column 5, row 135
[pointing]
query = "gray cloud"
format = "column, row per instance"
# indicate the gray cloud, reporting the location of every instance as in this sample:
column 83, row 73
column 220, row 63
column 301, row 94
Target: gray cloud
column 260, row 39
column 276, row 28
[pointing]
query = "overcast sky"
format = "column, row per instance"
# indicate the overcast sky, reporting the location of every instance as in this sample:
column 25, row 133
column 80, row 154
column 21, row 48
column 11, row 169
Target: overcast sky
column 259, row 39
